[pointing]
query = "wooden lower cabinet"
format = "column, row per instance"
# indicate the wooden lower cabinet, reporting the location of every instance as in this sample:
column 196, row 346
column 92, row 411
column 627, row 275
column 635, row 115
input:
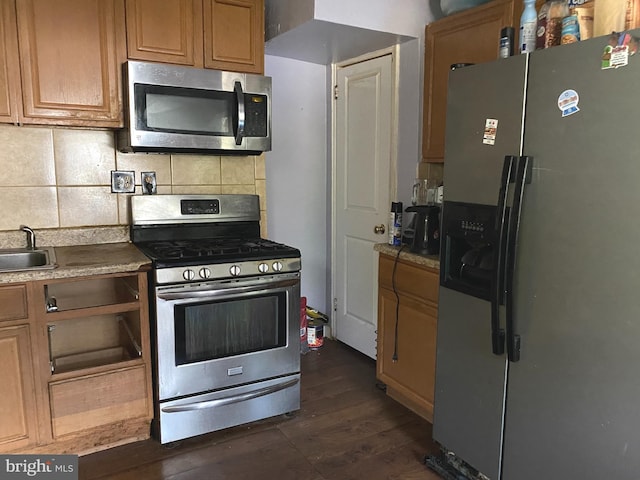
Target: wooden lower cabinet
column 76, row 364
column 96, row 400
column 18, row 399
column 407, row 332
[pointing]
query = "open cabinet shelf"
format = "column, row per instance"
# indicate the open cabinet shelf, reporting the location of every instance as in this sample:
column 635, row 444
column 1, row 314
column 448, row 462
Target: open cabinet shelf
column 94, row 360
column 88, row 342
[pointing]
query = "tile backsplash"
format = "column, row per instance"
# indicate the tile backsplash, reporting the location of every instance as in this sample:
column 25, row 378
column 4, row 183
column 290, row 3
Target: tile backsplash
column 55, row 178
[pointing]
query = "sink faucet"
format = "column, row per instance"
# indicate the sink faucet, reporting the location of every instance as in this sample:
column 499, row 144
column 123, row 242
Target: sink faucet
column 31, row 237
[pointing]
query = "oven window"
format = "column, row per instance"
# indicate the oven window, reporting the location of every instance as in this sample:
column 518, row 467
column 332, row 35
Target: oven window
column 210, row 330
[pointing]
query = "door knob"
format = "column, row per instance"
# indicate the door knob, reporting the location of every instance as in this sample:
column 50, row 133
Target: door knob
column 379, row 229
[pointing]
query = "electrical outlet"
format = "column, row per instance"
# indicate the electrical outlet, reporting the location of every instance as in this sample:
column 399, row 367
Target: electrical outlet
column 148, row 182
column 122, row 182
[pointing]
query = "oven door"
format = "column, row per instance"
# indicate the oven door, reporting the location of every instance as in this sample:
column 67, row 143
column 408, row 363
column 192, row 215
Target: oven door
column 220, row 334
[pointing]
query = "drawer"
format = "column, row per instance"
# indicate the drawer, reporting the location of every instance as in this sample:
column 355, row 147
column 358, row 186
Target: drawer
column 410, row 279
column 82, row 403
column 13, row 302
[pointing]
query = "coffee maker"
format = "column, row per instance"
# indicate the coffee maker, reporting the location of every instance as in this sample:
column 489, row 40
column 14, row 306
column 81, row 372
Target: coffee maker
column 425, row 227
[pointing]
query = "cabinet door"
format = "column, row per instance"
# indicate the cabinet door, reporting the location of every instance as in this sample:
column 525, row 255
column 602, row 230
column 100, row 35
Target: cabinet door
column 406, row 354
column 70, row 53
column 471, row 36
column 9, row 64
column 410, row 378
column 13, row 302
column 234, row 35
column 87, row 402
column 17, row 402
column 168, row 31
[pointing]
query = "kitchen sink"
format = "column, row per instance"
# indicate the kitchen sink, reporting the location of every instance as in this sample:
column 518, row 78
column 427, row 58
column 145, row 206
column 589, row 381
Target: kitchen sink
column 20, row 259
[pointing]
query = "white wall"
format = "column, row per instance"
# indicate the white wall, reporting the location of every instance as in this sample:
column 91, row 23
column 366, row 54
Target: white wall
column 297, row 169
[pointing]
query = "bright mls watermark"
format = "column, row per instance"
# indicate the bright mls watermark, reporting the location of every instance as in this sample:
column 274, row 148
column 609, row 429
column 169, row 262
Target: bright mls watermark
column 51, row 467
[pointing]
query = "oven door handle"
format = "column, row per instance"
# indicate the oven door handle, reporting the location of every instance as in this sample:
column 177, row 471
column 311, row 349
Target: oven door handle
column 218, row 402
column 223, row 290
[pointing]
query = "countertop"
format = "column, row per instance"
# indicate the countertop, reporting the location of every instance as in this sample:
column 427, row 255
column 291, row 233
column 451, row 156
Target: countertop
column 83, row 260
column 432, row 261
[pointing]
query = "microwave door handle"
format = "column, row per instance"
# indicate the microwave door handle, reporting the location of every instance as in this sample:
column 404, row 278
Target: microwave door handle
column 241, row 113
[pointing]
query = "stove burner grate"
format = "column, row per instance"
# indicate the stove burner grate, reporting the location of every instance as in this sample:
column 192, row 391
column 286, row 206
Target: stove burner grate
column 214, row 248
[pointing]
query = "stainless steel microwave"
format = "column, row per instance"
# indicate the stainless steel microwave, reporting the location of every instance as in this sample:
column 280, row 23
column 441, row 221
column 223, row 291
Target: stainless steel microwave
column 170, row 108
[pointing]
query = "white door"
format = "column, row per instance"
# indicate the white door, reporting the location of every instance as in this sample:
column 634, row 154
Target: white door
column 361, row 196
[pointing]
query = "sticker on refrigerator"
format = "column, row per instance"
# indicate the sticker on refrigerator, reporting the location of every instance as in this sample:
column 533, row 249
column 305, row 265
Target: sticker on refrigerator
column 619, row 48
column 568, row 102
column 490, row 130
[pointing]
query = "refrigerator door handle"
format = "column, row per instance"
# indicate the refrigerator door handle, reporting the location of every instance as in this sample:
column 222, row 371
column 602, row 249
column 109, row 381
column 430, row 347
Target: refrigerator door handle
column 497, row 296
column 523, row 176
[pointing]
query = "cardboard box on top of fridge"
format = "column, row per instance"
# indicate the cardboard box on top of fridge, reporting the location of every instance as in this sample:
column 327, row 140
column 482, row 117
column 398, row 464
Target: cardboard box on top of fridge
column 615, row 16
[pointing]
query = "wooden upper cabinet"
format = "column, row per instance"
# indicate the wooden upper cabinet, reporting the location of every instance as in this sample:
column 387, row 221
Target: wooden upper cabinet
column 70, row 53
column 234, row 35
column 470, row 36
column 217, row 34
column 168, row 31
column 9, row 64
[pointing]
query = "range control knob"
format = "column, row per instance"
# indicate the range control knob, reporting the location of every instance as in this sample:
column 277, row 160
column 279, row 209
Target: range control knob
column 263, row 268
column 277, row 266
column 234, row 270
column 188, row 274
column 205, row 272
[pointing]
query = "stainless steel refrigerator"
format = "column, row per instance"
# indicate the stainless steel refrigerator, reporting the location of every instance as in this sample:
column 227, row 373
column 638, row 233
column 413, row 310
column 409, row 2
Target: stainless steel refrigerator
column 538, row 346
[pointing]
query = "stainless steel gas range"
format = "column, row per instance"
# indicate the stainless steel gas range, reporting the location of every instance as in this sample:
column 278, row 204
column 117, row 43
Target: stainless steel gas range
column 225, row 313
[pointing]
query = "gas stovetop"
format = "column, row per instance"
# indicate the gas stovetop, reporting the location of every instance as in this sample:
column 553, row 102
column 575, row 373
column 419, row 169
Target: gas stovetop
column 214, row 250
column 192, row 238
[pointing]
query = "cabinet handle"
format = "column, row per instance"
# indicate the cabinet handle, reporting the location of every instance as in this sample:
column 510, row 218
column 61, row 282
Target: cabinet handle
column 52, row 304
column 50, row 329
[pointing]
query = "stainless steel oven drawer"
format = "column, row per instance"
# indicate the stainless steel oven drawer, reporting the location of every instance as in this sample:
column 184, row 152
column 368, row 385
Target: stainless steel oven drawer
column 199, row 414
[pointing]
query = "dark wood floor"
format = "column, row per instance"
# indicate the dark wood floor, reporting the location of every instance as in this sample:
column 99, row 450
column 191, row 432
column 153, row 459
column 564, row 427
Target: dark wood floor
column 347, row 428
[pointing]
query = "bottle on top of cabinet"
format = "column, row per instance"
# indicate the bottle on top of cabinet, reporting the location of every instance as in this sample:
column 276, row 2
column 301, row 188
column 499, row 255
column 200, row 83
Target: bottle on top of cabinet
column 528, row 22
column 506, row 42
